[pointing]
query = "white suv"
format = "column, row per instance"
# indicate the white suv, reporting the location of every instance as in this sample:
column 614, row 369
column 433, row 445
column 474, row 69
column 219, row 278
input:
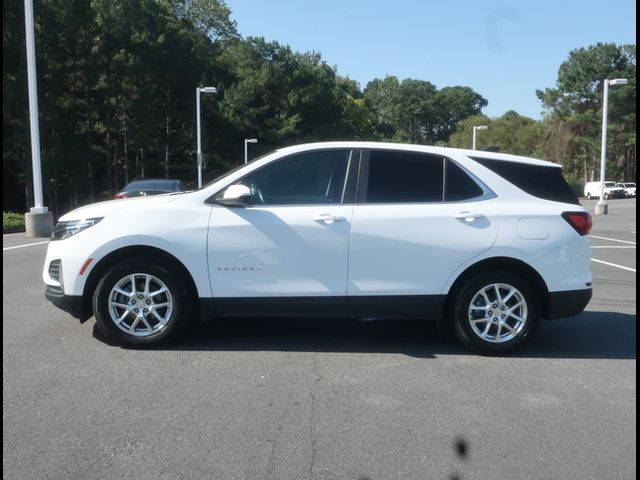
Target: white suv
column 629, row 188
column 485, row 242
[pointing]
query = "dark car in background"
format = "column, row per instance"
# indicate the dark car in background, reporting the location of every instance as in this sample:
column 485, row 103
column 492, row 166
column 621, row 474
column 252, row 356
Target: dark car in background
column 142, row 188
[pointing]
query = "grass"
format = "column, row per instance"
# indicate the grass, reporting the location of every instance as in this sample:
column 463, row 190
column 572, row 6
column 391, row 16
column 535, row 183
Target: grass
column 12, row 222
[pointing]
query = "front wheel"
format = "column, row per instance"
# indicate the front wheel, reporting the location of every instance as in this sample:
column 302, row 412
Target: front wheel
column 139, row 303
column 495, row 312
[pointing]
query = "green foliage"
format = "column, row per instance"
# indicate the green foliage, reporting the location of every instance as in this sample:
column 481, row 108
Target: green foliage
column 416, row 111
column 11, row 220
column 574, row 111
column 117, row 86
column 117, row 82
column 278, row 95
column 511, row 133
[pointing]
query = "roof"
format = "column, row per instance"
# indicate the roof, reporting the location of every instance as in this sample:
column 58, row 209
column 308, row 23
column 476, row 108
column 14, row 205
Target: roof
column 446, row 151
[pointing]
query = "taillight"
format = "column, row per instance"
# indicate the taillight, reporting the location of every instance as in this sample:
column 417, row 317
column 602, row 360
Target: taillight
column 118, row 195
column 580, row 221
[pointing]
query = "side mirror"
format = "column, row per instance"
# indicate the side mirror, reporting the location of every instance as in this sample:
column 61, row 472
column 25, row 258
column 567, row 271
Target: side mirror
column 235, row 196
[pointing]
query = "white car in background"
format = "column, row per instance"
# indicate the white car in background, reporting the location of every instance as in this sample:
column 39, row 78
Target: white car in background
column 486, row 243
column 629, row 188
column 611, row 190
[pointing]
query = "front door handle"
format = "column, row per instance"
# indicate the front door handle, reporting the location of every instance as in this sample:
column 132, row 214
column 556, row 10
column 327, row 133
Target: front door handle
column 468, row 216
column 328, row 218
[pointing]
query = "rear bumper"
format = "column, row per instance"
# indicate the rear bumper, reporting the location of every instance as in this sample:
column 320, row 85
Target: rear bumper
column 568, row 303
column 71, row 304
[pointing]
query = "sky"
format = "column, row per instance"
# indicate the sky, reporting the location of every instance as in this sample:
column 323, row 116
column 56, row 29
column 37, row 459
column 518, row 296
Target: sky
column 502, row 50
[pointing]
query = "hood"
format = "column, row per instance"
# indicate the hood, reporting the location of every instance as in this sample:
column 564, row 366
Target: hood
column 100, row 209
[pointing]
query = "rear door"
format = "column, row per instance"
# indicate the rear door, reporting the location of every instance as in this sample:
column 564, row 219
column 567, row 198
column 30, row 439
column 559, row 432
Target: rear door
column 418, row 218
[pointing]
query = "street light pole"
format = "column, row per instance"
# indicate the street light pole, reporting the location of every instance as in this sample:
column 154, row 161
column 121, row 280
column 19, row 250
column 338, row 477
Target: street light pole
column 38, row 221
column 601, row 207
column 199, row 139
column 246, row 142
column 476, row 128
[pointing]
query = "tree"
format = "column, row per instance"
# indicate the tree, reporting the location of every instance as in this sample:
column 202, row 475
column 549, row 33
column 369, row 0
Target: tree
column 381, row 97
column 116, row 82
column 453, row 105
column 15, row 123
column 357, row 120
column 279, row 95
column 416, row 111
column 511, row 133
column 575, row 105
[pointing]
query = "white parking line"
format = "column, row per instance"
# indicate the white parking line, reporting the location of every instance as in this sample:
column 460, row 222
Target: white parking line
column 612, row 239
column 25, row 245
column 613, row 265
column 613, row 246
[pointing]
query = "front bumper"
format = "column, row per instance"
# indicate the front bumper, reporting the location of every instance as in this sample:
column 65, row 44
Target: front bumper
column 568, row 303
column 616, row 194
column 72, row 304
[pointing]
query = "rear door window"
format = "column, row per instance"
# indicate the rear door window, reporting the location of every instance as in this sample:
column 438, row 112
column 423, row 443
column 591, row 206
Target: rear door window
column 404, row 177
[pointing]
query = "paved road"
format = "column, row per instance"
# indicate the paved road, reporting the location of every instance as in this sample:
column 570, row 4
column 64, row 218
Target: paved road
column 325, row 400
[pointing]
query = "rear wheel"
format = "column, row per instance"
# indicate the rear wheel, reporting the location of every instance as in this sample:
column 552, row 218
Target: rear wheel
column 139, row 303
column 495, row 312
column 589, row 195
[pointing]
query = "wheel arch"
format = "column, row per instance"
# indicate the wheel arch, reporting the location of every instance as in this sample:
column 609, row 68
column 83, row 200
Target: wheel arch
column 159, row 255
column 510, row 264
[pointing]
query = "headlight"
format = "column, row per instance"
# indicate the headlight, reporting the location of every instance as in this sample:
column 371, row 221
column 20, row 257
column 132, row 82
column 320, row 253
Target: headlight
column 64, row 230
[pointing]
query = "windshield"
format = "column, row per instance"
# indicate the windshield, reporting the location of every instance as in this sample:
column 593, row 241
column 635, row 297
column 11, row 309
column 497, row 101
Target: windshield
column 609, row 184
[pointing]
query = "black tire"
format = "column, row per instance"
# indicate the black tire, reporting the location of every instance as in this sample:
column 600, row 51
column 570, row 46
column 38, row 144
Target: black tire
column 150, row 331
column 589, row 196
column 519, row 333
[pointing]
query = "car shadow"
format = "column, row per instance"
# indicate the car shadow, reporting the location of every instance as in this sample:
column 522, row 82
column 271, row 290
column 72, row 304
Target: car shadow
column 588, row 335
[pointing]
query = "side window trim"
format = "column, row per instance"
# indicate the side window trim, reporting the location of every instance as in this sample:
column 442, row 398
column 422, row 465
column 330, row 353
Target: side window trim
column 445, row 163
column 351, row 178
column 363, row 178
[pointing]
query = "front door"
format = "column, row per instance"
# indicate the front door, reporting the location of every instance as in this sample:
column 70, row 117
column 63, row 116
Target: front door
column 286, row 253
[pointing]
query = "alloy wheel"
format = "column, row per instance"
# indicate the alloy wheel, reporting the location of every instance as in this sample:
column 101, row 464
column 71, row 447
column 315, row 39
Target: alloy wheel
column 140, row 304
column 498, row 313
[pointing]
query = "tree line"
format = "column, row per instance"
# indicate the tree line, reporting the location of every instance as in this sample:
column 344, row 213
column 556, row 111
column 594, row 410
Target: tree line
column 117, row 80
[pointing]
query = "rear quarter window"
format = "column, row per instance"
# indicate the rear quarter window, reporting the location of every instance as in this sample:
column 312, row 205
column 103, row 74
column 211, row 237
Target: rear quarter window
column 537, row 180
column 458, row 185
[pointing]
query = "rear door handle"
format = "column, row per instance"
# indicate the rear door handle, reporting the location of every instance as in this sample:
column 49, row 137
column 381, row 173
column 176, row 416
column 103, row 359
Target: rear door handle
column 328, row 218
column 468, row 216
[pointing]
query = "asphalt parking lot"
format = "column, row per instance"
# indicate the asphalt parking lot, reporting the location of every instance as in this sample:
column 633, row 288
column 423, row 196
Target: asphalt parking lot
column 322, row 400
